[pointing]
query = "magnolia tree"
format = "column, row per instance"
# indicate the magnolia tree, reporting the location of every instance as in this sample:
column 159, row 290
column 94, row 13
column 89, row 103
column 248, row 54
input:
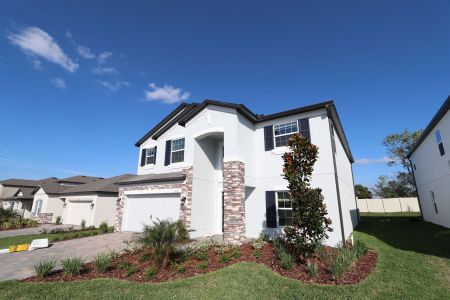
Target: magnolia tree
column 309, row 224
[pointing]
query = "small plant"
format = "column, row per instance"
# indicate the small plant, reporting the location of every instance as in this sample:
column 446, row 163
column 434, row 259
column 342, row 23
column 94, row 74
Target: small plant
column 257, row 253
column 131, row 270
column 151, row 272
column 102, row 262
column 58, row 220
column 72, row 266
column 287, row 261
column 124, row 265
column 312, row 268
column 83, row 224
column 224, row 258
column 202, row 265
column 360, row 248
column 180, row 268
column 259, row 243
column 201, row 255
column 145, row 257
column 44, row 267
column 235, row 252
column 103, row 227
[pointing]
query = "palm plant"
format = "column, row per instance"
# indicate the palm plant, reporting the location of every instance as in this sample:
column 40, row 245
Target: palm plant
column 162, row 237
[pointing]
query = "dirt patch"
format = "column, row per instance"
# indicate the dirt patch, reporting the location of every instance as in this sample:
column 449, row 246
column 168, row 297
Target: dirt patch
column 190, row 266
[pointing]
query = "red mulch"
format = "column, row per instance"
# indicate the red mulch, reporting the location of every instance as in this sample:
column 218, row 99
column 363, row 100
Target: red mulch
column 357, row 273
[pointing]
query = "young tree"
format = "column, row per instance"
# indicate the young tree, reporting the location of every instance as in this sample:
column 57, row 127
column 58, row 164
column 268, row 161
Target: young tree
column 363, row 192
column 309, row 224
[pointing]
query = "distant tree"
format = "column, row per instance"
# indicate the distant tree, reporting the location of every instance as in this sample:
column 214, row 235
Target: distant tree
column 399, row 145
column 398, row 186
column 310, row 223
column 363, row 192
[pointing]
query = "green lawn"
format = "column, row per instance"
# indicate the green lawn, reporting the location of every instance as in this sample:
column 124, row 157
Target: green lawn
column 26, row 239
column 414, row 263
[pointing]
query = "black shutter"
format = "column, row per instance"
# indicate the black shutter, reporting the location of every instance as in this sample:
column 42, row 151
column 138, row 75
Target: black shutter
column 268, row 138
column 155, row 156
column 303, row 127
column 271, row 210
column 143, row 157
column 167, row 158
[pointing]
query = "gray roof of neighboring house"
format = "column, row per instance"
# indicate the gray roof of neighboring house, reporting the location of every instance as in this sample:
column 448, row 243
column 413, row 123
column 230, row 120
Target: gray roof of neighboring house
column 184, row 112
column 26, row 194
column 26, row 182
column 107, row 185
column 56, row 187
column 148, row 178
column 437, row 117
column 80, row 179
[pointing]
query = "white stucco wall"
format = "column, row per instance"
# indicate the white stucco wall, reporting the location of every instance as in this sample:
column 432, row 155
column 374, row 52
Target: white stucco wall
column 104, row 209
column 432, row 173
column 244, row 141
column 51, row 204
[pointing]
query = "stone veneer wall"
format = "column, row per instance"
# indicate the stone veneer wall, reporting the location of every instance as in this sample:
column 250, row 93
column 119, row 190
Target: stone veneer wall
column 186, row 191
column 44, row 218
column 234, row 201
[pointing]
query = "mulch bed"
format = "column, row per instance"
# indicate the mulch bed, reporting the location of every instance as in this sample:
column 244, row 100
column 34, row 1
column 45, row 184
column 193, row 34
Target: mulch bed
column 357, row 272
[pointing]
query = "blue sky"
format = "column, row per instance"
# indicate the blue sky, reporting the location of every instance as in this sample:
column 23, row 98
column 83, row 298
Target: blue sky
column 81, row 81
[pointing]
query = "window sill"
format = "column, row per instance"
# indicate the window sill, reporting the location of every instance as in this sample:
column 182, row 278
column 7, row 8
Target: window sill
column 178, row 165
column 150, row 166
column 280, row 150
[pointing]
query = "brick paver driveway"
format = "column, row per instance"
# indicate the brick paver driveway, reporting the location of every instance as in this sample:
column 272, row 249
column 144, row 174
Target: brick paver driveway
column 20, row 265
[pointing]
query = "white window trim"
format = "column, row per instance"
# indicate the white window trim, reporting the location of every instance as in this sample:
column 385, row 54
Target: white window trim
column 172, row 151
column 147, row 156
column 276, row 204
column 275, row 136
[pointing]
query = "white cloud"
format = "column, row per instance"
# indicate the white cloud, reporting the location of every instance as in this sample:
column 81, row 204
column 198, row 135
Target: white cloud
column 85, row 52
column 36, row 42
column 37, row 64
column 167, row 94
column 113, row 86
column 369, row 161
column 59, row 83
column 102, row 57
column 105, row 70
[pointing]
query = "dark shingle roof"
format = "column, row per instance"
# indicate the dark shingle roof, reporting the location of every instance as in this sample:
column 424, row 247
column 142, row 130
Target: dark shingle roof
column 107, row 185
column 172, row 176
column 437, row 117
column 184, row 112
column 80, row 179
column 27, row 182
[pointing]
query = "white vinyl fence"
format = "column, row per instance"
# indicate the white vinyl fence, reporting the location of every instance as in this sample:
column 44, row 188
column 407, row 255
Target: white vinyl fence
column 389, row 205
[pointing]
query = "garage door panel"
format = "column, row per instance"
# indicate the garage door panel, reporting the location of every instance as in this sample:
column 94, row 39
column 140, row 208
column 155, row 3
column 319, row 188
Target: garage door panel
column 79, row 210
column 145, row 209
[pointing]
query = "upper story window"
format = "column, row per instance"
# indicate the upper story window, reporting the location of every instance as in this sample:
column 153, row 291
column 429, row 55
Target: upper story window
column 439, row 142
column 150, row 156
column 177, row 151
column 284, row 209
column 283, row 132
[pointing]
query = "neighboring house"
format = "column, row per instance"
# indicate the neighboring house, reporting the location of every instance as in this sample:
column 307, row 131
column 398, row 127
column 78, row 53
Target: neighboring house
column 47, row 204
column 16, row 194
column 93, row 202
column 430, row 161
column 218, row 167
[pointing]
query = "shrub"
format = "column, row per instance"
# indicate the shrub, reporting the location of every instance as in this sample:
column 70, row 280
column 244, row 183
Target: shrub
column 131, row 270
column 44, row 267
column 83, row 224
column 151, row 272
column 72, row 266
column 312, row 268
column 163, row 237
column 124, row 265
column 102, row 262
column 224, row 258
column 287, row 261
column 103, row 227
column 180, row 268
column 259, row 243
column 310, row 223
column 235, row 252
column 257, row 253
column 7, row 214
column 360, row 248
column 58, row 220
column 144, row 257
column 202, row 265
column 92, row 227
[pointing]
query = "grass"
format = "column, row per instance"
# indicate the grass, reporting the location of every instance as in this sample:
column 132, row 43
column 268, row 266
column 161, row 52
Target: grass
column 414, row 263
column 52, row 237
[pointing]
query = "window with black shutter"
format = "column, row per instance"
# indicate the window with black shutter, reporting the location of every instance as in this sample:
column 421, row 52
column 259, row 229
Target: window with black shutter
column 439, row 142
column 268, row 138
column 303, row 125
column 271, row 210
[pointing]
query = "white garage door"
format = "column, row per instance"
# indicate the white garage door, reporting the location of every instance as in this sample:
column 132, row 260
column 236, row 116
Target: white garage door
column 77, row 211
column 144, row 209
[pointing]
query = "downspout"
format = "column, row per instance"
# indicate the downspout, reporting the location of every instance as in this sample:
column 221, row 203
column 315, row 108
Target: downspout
column 415, row 185
column 333, row 149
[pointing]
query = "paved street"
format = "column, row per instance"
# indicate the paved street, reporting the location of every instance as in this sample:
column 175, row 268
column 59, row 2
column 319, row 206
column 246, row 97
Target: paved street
column 20, row 265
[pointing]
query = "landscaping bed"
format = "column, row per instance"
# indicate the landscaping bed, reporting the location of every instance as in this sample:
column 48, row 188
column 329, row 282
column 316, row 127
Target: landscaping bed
column 139, row 266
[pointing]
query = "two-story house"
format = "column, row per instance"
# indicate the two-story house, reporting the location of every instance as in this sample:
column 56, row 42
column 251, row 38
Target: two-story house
column 430, row 163
column 218, row 167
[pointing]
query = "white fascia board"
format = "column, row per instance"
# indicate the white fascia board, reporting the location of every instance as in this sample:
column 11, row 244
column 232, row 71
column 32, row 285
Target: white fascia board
column 149, row 192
